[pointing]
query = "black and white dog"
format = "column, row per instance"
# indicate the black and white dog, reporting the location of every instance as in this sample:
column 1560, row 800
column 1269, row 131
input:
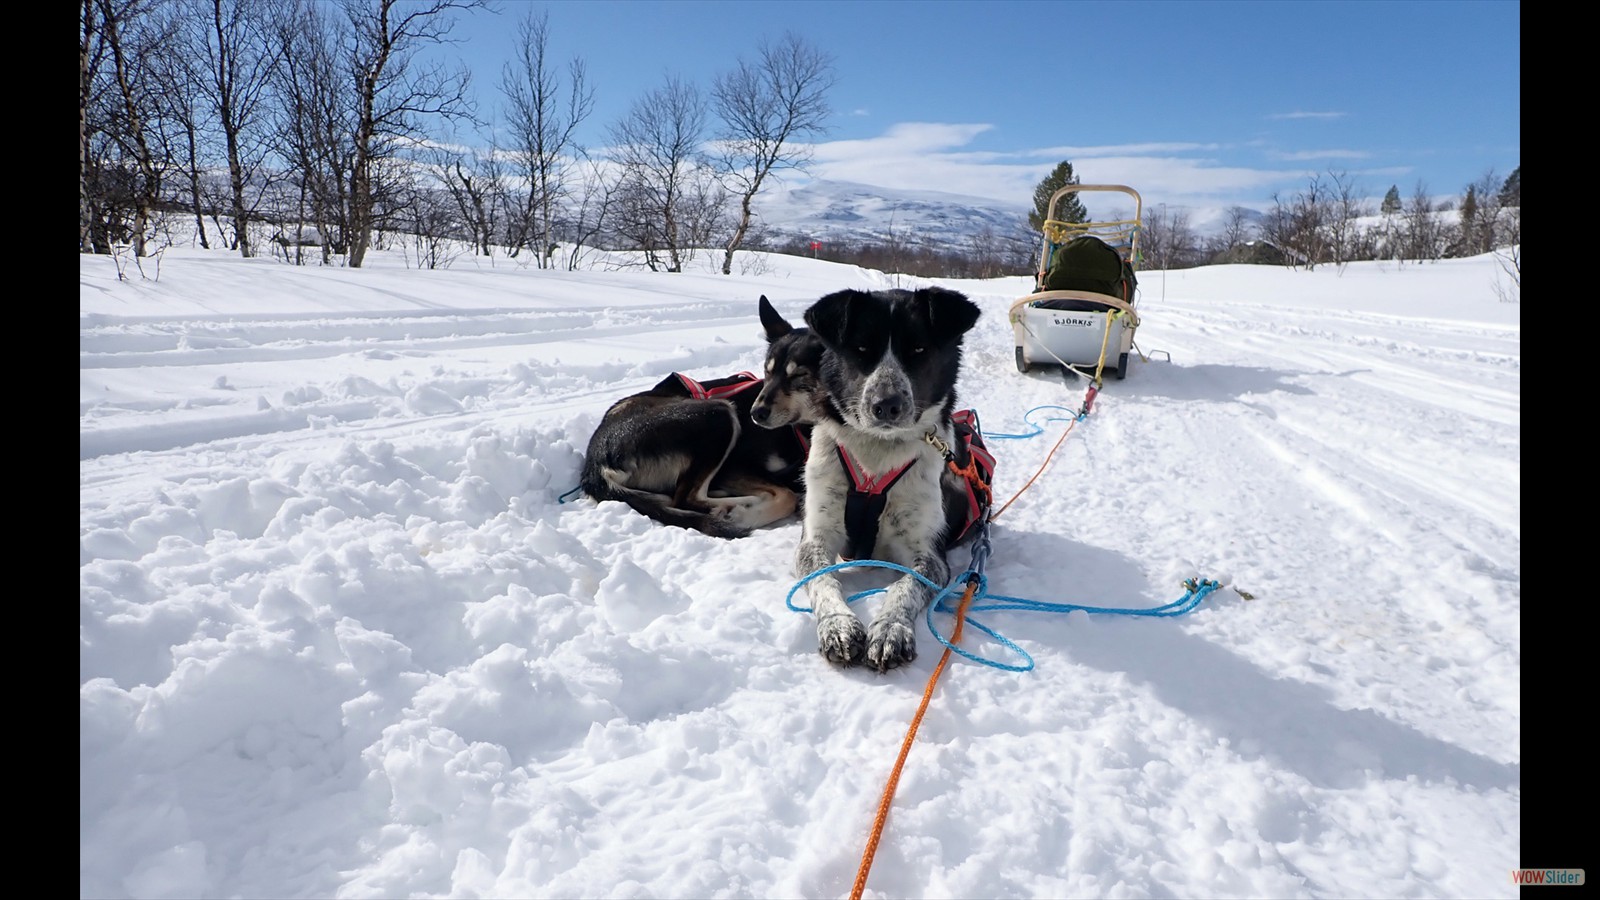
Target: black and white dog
column 685, row 452
column 881, row 479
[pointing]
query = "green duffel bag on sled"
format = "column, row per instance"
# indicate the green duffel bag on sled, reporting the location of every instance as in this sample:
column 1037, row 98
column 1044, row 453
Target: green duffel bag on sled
column 1087, row 263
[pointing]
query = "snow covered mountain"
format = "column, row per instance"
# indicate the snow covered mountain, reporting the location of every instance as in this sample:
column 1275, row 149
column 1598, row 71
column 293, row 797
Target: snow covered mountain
column 846, row 212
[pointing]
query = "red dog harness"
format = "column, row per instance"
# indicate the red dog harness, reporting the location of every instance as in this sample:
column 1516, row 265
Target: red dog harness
column 747, row 380
column 864, row 503
column 866, row 496
column 700, row 392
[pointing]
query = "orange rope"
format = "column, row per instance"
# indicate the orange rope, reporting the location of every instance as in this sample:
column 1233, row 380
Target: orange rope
column 927, row 693
column 905, row 748
column 996, row 514
column 974, row 478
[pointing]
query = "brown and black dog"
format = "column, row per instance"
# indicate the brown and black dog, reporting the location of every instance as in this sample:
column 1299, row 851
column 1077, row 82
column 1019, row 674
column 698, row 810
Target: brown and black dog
column 725, row 456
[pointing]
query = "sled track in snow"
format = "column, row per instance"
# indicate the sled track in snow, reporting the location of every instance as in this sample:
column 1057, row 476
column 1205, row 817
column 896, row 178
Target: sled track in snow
column 140, row 440
column 187, row 341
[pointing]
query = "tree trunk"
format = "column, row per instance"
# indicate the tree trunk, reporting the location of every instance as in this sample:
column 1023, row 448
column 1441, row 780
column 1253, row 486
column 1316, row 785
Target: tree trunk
column 144, row 194
column 199, row 210
column 85, row 214
column 360, row 204
column 241, row 215
column 194, row 188
column 743, row 226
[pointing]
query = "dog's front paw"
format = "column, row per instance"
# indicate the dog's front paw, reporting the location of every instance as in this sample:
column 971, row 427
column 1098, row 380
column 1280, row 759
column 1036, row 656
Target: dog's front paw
column 890, row 643
column 842, row 639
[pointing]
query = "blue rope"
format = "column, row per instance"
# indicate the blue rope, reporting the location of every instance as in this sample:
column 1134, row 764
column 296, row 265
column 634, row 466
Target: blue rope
column 1036, row 426
column 1197, row 590
column 788, row 599
column 564, row 497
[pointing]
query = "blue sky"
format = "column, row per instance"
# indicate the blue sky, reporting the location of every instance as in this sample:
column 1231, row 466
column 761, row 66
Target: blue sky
column 1196, row 104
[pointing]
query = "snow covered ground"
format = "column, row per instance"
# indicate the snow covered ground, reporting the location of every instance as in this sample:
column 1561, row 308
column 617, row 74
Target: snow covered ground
column 339, row 637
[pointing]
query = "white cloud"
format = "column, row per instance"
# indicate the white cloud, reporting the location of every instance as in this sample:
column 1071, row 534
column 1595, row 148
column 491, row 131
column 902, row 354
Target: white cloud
column 933, row 156
column 906, row 139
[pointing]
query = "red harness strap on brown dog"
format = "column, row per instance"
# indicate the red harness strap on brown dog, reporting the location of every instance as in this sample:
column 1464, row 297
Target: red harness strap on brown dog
column 700, row 392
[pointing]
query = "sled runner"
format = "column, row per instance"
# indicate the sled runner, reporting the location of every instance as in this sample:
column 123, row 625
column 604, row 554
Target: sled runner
column 1081, row 314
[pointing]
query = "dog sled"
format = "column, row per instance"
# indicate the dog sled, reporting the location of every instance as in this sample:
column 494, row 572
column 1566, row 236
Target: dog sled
column 1081, row 314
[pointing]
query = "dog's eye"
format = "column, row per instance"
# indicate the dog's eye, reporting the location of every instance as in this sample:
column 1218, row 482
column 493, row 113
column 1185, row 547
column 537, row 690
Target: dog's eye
column 918, row 349
column 861, row 349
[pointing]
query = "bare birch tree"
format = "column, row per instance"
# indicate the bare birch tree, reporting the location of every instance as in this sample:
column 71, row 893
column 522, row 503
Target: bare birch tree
column 1487, row 228
column 476, row 183
column 91, row 50
column 395, row 95
column 1347, row 240
column 233, row 54
column 1167, row 240
column 1298, row 225
column 766, row 107
column 179, row 98
column 543, row 121
column 315, row 128
column 657, row 147
column 1424, row 235
column 590, row 211
column 1237, row 230
column 131, row 42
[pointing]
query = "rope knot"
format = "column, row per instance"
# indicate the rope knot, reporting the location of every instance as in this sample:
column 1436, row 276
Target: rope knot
column 974, row 477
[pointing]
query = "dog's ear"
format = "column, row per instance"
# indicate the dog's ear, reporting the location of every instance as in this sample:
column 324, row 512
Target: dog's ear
column 950, row 311
column 830, row 316
column 776, row 326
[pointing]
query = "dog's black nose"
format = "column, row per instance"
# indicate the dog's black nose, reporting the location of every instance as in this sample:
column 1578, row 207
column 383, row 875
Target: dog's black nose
column 888, row 409
column 760, row 414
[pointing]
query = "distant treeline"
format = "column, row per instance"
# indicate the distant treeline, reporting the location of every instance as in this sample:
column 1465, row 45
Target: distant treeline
column 1330, row 222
